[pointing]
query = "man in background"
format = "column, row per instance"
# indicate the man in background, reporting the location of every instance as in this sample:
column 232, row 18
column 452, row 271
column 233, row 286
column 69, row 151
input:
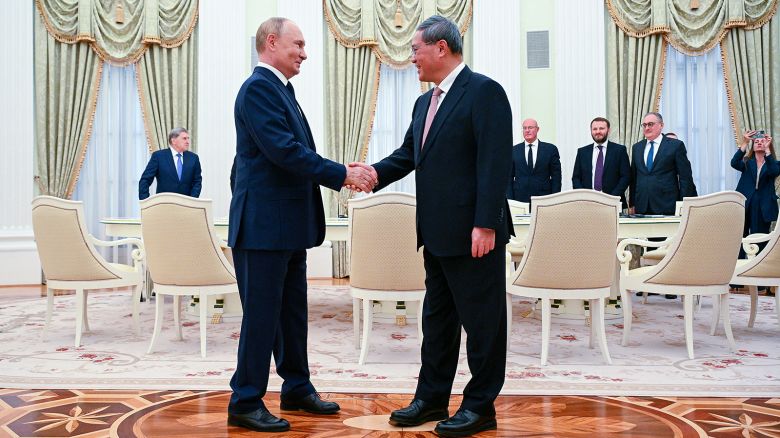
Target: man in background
column 660, row 171
column 536, row 166
column 176, row 169
column 602, row 165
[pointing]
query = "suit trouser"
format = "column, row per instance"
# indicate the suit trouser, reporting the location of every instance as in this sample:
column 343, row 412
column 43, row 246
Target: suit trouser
column 466, row 292
column 272, row 286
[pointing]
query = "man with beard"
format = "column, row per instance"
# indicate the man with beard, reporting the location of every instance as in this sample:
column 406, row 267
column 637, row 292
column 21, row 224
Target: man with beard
column 602, row 165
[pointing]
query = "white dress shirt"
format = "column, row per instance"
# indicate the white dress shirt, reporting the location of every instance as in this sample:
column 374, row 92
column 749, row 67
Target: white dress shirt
column 446, row 84
column 535, row 148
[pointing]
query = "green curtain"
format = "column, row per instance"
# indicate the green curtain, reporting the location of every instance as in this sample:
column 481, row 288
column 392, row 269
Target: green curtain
column 634, row 76
column 167, row 84
column 352, row 84
column 67, row 79
column 690, row 31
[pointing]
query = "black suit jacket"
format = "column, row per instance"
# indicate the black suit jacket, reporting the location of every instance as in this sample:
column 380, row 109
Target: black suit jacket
column 617, row 170
column 669, row 181
column 543, row 179
column 765, row 193
column 276, row 202
column 462, row 169
column 162, row 167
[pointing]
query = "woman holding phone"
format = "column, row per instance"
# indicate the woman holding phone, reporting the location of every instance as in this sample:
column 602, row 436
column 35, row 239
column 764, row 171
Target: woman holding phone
column 759, row 169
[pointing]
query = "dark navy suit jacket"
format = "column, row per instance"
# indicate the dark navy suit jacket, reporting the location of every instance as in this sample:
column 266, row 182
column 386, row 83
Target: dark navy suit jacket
column 765, row 193
column 617, row 170
column 462, row 168
column 670, row 179
column 276, row 202
column 543, row 179
column 162, row 167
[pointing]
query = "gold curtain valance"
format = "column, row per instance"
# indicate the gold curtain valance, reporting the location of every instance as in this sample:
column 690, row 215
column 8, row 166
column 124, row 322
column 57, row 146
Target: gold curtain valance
column 691, row 27
column 357, row 23
column 120, row 31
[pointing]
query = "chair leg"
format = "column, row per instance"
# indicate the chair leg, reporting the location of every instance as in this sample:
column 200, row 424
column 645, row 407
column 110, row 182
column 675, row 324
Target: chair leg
column 368, row 319
column 49, row 307
column 136, row 297
column 644, row 297
column 625, row 298
column 158, row 319
column 598, row 318
column 591, row 303
column 777, row 304
column 356, row 321
column 203, row 324
column 698, row 303
column 419, row 322
column 715, row 315
column 726, row 315
column 86, row 315
column 79, row 315
column 177, row 314
column 545, row 329
column 688, row 318
column 508, row 320
column 753, row 304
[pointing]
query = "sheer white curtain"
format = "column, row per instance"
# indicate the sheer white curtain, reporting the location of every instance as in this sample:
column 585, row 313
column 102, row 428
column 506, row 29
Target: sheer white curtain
column 116, row 155
column 398, row 89
column 695, row 107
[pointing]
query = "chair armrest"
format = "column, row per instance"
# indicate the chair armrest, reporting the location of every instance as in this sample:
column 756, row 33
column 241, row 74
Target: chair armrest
column 137, row 254
column 517, row 244
column 749, row 243
column 624, row 257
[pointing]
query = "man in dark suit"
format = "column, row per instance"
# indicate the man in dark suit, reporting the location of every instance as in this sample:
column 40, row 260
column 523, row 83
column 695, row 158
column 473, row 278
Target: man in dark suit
column 660, row 171
column 276, row 213
column 603, row 165
column 459, row 145
column 536, row 166
column 177, row 170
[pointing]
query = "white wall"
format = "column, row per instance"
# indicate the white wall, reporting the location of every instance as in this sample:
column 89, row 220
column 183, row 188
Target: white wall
column 19, row 262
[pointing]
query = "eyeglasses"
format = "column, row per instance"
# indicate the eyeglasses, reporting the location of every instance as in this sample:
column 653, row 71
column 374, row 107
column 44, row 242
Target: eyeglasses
column 648, row 124
column 530, row 128
column 414, row 49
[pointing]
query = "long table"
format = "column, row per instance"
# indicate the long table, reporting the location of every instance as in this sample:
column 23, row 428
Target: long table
column 337, row 230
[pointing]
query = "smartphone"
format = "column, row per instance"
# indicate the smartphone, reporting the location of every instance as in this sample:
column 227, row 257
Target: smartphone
column 759, row 134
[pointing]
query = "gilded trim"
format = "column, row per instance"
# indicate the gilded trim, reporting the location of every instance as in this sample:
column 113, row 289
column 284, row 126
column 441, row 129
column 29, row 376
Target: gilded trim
column 659, row 83
column 370, row 128
column 144, row 114
column 765, row 19
column 61, row 37
column 82, row 155
column 344, row 41
column 730, row 93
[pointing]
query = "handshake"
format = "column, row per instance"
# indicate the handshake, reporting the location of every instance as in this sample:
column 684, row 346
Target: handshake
column 361, row 177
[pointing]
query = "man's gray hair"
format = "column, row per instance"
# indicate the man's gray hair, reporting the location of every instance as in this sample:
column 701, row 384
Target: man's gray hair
column 657, row 116
column 175, row 132
column 437, row 28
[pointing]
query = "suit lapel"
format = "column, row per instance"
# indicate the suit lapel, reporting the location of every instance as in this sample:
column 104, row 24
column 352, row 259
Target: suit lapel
column 639, row 156
column 451, row 100
column 292, row 102
column 171, row 162
column 588, row 170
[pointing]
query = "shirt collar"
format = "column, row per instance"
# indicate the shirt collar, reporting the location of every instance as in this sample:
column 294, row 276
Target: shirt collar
column 535, row 143
column 595, row 145
column 173, row 152
column 274, row 71
column 446, row 84
column 656, row 140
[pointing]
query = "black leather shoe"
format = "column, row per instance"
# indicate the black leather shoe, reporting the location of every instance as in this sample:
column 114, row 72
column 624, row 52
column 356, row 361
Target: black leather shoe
column 312, row 404
column 465, row 423
column 417, row 413
column 260, row 420
column 670, row 297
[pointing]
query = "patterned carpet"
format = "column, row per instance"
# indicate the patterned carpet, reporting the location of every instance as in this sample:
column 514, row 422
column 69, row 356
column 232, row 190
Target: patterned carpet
column 655, row 363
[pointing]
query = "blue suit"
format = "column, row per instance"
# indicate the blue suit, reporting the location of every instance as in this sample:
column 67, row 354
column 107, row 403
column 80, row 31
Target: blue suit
column 657, row 190
column 761, row 204
column 543, row 179
column 460, row 173
column 162, row 167
column 617, row 170
column 276, row 213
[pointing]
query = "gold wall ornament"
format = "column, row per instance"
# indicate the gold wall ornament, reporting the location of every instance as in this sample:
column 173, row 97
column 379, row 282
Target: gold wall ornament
column 399, row 17
column 119, row 16
column 695, row 5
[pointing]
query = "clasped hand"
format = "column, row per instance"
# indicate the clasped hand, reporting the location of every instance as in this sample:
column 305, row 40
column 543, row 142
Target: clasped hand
column 361, row 177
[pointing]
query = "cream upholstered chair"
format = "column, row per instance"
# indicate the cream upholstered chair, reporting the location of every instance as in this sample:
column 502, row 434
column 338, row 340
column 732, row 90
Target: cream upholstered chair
column 184, row 256
column 760, row 269
column 654, row 256
column 515, row 247
column 700, row 259
column 569, row 255
column 70, row 261
column 384, row 261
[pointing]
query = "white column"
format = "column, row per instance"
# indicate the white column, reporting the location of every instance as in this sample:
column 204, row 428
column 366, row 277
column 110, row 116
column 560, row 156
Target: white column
column 580, row 77
column 496, row 47
column 19, row 263
column 223, row 56
column 310, row 83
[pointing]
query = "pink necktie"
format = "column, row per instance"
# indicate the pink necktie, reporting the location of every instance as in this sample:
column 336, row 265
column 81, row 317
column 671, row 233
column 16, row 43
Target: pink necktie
column 431, row 113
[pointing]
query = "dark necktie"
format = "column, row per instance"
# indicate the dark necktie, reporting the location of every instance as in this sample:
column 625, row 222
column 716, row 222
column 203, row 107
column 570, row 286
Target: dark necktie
column 649, row 162
column 598, row 175
column 291, row 89
column 530, row 158
column 178, row 165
